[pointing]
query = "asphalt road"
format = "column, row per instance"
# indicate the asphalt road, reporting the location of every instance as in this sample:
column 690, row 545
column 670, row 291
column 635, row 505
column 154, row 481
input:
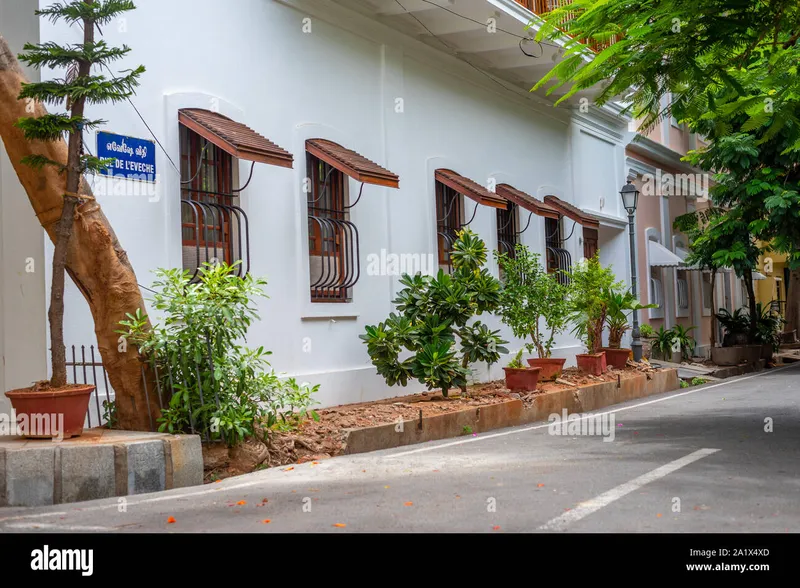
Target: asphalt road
column 718, row 458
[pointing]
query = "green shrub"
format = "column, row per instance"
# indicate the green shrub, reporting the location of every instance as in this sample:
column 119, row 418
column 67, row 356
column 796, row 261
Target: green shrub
column 218, row 387
column 516, row 362
column 698, row 381
column 664, row 341
column 432, row 315
column 589, row 281
column 529, row 297
column 646, row 330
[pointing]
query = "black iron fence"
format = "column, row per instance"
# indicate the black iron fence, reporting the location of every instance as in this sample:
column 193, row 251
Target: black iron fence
column 84, row 366
column 194, row 377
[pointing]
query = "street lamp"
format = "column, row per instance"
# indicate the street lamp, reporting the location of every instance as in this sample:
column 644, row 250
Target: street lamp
column 630, row 198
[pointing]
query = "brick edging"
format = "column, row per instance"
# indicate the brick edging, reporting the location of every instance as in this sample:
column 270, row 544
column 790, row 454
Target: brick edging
column 509, row 413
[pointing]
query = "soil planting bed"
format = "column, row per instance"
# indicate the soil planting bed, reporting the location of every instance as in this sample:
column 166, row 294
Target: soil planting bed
column 318, row 440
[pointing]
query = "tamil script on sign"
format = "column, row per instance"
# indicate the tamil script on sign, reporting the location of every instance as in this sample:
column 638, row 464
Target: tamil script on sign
column 132, row 158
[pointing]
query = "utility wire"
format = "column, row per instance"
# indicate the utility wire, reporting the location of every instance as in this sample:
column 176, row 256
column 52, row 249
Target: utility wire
column 453, row 49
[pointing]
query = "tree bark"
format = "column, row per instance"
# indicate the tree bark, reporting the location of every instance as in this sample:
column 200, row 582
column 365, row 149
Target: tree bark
column 95, row 260
column 793, row 301
column 751, row 302
column 58, row 350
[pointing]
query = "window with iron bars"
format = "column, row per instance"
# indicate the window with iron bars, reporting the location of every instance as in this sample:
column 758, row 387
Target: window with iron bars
column 559, row 259
column 213, row 226
column 507, row 229
column 334, row 266
column 449, row 219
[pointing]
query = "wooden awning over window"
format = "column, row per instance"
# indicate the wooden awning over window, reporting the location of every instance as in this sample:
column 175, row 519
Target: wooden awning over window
column 232, row 137
column 573, row 213
column 526, row 201
column 351, row 163
column 469, row 188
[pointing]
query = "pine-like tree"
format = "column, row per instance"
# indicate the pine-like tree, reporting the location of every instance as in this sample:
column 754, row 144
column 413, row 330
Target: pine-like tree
column 83, row 83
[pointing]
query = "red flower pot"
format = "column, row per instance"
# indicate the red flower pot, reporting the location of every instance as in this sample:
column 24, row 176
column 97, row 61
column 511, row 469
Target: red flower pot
column 551, row 367
column 592, row 363
column 617, row 357
column 51, row 413
column 522, row 379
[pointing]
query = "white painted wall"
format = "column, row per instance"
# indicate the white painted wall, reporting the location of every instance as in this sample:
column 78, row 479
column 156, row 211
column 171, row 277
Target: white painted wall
column 22, row 292
column 340, row 82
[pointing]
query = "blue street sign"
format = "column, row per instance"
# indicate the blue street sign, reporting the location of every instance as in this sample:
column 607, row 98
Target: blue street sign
column 134, row 159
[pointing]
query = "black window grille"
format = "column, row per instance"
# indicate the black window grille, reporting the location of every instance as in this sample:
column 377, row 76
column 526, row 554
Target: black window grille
column 213, row 226
column 449, row 219
column 559, row 261
column 334, row 265
column 507, row 229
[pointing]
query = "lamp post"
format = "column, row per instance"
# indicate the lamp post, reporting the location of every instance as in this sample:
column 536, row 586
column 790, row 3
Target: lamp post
column 630, row 198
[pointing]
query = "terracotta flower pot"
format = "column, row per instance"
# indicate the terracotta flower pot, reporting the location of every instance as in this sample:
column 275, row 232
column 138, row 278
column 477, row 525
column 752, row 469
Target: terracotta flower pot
column 51, row 413
column 551, row 367
column 766, row 351
column 592, row 363
column 617, row 357
column 522, row 379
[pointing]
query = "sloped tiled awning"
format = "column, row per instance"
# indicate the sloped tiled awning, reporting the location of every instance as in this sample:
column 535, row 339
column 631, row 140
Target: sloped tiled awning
column 573, row 213
column 233, row 137
column 351, row 163
column 526, row 201
column 469, row 188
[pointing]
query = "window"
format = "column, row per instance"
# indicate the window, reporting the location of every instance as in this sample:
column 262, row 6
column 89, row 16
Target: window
column 777, row 299
column 708, row 294
column 449, row 219
column 683, row 294
column 558, row 258
column 507, row 228
column 590, row 238
column 213, row 227
column 656, row 293
column 332, row 238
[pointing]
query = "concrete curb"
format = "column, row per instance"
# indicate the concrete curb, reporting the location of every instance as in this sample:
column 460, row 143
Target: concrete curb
column 510, row 413
column 40, row 473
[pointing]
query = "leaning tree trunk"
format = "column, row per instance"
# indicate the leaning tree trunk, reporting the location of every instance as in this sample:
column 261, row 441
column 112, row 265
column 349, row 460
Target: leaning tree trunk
column 96, row 261
column 793, row 302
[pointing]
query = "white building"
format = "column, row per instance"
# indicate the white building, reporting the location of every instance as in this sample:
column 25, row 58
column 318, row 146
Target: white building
column 438, row 100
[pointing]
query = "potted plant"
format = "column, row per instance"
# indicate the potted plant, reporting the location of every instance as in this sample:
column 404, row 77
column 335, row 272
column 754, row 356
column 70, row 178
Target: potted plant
column 736, row 327
column 768, row 331
column 648, row 334
column 588, row 310
column 519, row 377
column 81, row 85
column 684, row 341
column 432, row 326
column 619, row 304
column 534, row 304
column 664, row 346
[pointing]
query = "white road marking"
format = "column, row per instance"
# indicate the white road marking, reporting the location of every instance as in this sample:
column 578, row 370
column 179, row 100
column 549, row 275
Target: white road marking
column 54, row 527
column 584, row 509
column 590, row 415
